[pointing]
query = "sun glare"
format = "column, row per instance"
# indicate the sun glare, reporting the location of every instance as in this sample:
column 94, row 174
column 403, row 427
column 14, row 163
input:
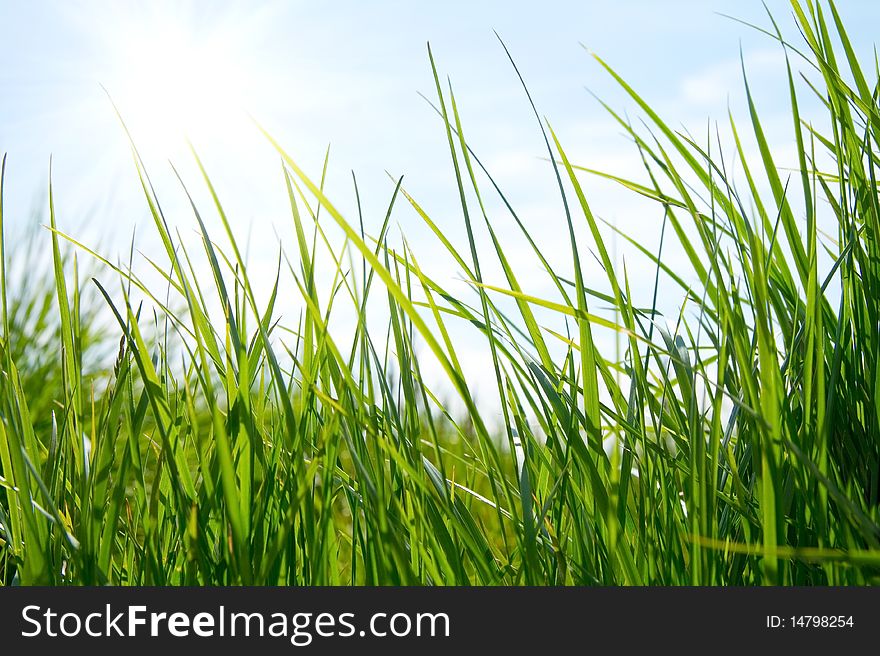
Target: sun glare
column 171, row 83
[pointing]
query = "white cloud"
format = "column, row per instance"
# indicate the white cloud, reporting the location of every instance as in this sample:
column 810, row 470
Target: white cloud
column 713, row 84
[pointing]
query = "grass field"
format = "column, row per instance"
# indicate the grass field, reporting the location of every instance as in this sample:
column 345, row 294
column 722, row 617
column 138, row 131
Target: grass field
column 736, row 443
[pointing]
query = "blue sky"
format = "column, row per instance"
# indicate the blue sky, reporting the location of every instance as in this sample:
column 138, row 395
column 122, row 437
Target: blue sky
column 349, row 74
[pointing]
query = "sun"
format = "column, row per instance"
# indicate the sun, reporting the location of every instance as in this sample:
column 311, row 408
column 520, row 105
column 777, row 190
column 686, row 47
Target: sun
column 172, row 81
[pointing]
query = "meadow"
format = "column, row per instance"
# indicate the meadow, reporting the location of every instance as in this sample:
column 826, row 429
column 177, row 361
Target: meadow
column 735, row 443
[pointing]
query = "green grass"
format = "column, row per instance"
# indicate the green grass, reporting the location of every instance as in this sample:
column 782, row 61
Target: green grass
column 734, row 443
